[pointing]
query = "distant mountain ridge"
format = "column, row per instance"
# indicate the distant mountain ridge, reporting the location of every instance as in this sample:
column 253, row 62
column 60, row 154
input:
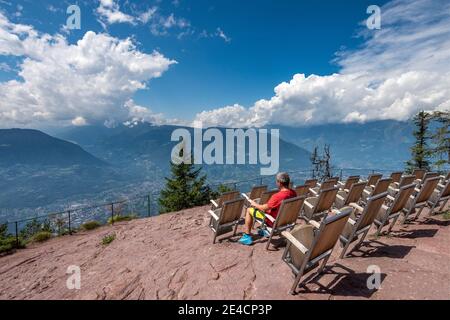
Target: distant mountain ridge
column 376, row 145
column 123, row 144
column 33, row 147
column 37, row 169
column 102, row 164
column 95, row 163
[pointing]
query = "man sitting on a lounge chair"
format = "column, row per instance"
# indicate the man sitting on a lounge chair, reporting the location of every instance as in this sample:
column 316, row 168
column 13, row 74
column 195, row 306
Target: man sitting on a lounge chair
column 259, row 212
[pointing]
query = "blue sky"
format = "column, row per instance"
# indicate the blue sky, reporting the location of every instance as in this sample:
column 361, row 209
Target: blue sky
column 230, row 55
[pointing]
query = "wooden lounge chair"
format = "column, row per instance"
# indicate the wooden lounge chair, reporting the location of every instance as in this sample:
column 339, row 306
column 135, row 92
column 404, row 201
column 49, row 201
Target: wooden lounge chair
column 225, row 218
column 227, row 196
column 420, row 200
column 419, row 173
column 302, row 190
column 445, row 178
column 361, row 221
column 265, row 197
column 350, row 181
column 440, row 195
column 427, row 175
column 311, row 183
column 382, row 186
column 393, row 211
column 286, row 219
column 373, row 179
column 312, row 244
column 404, row 181
column 335, row 179
column 256, row 193
column 327, row 184
column 344, row 198
column 317, row 207
column 396, row 176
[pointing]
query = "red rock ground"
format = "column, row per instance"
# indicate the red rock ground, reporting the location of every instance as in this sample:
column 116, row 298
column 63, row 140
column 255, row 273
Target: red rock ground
column 172, row 257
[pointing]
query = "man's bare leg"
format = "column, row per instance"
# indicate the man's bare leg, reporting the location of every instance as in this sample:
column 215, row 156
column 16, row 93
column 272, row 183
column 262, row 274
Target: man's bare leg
column 248, row 222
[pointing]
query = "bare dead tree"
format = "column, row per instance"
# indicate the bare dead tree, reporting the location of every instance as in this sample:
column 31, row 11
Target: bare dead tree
column 321, row 164
column 315, row 161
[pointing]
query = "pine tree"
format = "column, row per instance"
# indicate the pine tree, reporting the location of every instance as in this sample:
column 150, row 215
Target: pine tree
column 441, row 139
column 185, row 189
column 420, row 151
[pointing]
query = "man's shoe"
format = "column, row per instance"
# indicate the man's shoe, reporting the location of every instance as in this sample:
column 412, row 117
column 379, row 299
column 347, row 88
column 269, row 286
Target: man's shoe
column 263, row 233
column 246, row 240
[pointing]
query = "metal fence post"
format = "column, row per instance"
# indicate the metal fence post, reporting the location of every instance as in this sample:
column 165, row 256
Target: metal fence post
column 17, row 235
column 112, row 213
column 341, row 175
column 149, row 203
column 261, row 181
column 70, row 227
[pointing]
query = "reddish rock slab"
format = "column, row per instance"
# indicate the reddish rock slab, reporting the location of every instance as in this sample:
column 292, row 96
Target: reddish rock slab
column 172, row 257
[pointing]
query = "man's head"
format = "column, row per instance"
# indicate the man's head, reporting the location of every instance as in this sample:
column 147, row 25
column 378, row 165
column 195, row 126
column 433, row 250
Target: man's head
column 283, row 180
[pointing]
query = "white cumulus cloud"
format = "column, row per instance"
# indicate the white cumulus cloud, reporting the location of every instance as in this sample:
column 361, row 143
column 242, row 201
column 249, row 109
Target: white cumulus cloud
column 109, row 12
column 400, row 69
column 91, row 81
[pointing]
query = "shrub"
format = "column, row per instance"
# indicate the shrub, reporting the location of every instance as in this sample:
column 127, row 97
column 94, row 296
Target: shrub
column 33, row 227
column 90, row 225
column 447, row 215
column 7, row 245
column 42, row 236
column 3, row 231
column 223, row 188
column 119, row 218
column 60, row 225
column 9, row 242
column 108, row 239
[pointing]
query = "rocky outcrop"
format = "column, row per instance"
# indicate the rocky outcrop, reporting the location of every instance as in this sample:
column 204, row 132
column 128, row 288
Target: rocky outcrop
column 172, row 257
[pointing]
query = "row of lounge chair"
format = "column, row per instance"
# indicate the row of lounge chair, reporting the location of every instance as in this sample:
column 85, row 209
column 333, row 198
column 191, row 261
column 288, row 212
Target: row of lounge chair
column 335, row 211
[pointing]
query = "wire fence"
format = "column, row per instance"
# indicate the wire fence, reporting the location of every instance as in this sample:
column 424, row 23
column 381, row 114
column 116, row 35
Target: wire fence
column 70, row 220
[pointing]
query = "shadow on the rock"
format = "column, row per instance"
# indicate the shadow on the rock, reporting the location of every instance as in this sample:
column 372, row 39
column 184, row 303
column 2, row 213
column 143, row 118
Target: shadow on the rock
column 436, row 221
column 414, row 234
column 276, row 244
column 376, row 249
column 346, row 282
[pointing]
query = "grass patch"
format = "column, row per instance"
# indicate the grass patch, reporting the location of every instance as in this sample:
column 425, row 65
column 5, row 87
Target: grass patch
column 108, row 239
column 446, row 215
column 118, row 218
column 90, row 225
column 41, row 236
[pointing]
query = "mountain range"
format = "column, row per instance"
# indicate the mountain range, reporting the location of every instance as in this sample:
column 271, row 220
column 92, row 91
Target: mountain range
column 33, row 147
column 373, row 145
column 37, row 170
column 122, row 145
column 93, row 164
column 101, row 164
